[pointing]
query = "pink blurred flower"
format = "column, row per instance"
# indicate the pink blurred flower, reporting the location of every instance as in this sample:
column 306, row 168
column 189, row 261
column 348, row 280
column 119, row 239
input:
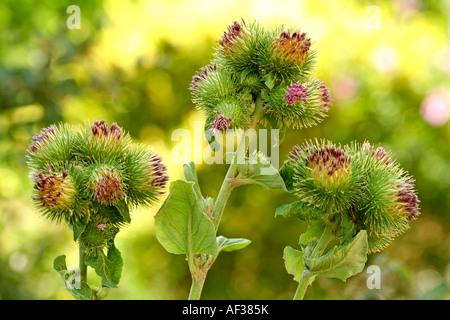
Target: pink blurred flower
column 345, row 87
column 435, row 107
column 406, row 6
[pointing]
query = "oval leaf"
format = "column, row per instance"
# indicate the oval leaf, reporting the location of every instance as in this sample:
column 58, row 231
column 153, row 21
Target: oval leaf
column 124, row 211
column 190, row 174
column 261, row 173
column 181, row 226
column 233, row 244
column 78, row 228
column 83, row 292
column 342, row 262
column 287, row 173
column 59, row 264
column 293, row 262
column 301, row 211
column 108, row 270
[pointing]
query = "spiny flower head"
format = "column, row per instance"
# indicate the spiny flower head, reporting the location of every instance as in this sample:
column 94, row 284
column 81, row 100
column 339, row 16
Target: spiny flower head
column 293, row 47
column 56, row 191
column 221, row 123
column 107, row 185
column 233, row 32
column 330, row 165
column 239, row 47
column 100, row 129
column 100, row 142
column 158, row 176
column 324, row 176
column 201, row 75
column 377, row 154
column 388, row 201
column 321, row 95
column 408, row 202
column 287, row 58
column 40, row 139
column 299, row 105
column 147, row 175
column 56, row 195
column 52, row 145
column 296, row 92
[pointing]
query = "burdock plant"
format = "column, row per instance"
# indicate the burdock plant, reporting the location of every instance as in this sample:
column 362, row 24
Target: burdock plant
column 258, row 77
column 356, row 199
column 89, row 178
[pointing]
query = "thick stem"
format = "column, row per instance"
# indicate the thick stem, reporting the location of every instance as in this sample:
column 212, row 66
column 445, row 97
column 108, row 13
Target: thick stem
column 82, row 265
column 222, row 197
column 319, row 248
column 305, row 281
column 228, row 184
column 196, row 288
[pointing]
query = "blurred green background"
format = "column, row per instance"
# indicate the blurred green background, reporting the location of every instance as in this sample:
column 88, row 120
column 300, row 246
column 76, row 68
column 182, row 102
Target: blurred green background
column 132, row 62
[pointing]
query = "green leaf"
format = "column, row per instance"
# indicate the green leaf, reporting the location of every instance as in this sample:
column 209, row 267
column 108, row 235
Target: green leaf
column 261, row 173
column 269, row 81
column 211, row 138
column 78, row 228
column 124, row 211
column 275, row 123
column 59, row 264
column 341, row 262
column 233, row 244
column 301, row 211
column 348, row 228
column 190, row 174
column 104, row 268
column 83, row 292
column 244, row 73
column 115, row 257
column 181, row 225
column 312, row 233
column 287, row 173
column 293, row 262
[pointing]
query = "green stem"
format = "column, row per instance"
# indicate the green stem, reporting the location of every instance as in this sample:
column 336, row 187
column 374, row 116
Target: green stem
column 228, row 184
column 307, row 279
column 222, row 197
column 196, row 288
column 83, row 266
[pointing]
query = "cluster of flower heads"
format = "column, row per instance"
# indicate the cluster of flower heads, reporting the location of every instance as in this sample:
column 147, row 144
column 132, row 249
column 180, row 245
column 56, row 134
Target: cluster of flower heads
column 92, row 176
column 360, row 181
column 260, row 76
